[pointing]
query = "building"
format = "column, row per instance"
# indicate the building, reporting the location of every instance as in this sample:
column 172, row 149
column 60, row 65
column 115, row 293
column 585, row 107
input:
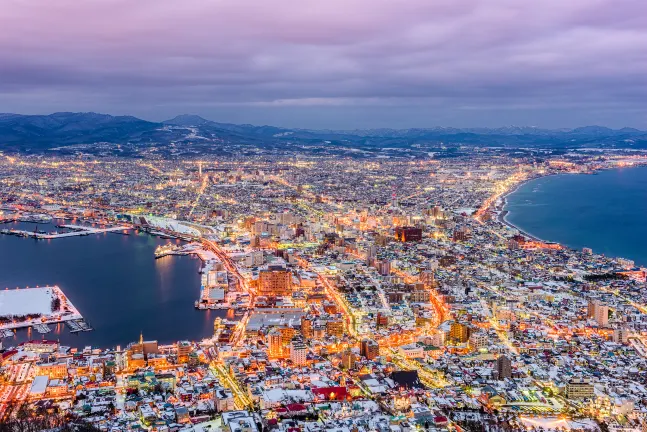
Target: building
column 579, row 388
column 382, row 320
column 478, row 340
column 460, row 234
column 275, row 281
column 335, row 327
column 369, row 349
column 306, row 328
column 504, row 367
column 599, row 312
column 459, row 332
column 275, row 343
column 621, row 335
column 183, row 351
column 348, row 359
column 298, row 352
column 408, row 234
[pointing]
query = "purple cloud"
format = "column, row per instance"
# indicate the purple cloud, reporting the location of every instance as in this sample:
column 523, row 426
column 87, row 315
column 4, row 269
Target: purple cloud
column 338, row 63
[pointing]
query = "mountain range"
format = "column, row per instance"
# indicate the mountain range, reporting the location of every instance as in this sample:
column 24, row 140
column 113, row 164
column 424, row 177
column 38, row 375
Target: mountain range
column 67, row 131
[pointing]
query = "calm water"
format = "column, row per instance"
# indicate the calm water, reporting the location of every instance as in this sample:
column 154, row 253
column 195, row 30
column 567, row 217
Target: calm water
column 606, row 212
column 114, row 281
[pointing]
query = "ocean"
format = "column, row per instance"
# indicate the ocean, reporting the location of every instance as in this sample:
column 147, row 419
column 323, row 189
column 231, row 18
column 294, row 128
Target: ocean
column 606, row 211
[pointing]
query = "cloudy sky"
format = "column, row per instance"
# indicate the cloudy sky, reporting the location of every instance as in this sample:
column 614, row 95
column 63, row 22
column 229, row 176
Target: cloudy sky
column 331, row 63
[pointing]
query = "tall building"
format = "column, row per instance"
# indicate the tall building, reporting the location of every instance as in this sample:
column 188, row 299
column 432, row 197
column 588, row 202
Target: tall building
column 369, row 349
column 183, row 350
column 275, row 343
column 599, row 312
column 621, row 335
column 504, row 367
column 335, row 327
column 459, row 332
column 275, row 281
column 306, row 327
column 298, row 352
column 347, row 359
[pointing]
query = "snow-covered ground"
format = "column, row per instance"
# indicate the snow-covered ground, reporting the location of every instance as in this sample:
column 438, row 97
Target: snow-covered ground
column 26, row 301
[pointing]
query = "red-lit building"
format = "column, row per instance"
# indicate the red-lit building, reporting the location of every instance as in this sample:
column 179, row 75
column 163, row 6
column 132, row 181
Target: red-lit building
column 408, row 234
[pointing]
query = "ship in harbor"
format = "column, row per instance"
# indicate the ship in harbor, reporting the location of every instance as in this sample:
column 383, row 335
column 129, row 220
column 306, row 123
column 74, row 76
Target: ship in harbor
column 167, row 249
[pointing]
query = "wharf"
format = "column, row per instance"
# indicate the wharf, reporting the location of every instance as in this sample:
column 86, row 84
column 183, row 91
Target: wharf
column 75, row 230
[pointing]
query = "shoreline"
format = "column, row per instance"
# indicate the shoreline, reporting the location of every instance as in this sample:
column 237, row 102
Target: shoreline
column 502, row 215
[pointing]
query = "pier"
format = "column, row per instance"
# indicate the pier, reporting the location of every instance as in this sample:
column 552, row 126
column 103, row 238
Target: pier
column 75, row 231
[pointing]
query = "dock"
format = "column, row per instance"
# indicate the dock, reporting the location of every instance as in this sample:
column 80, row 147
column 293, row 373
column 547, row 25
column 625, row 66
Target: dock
column 76, row 326
column 75, row 231
column 42, row 328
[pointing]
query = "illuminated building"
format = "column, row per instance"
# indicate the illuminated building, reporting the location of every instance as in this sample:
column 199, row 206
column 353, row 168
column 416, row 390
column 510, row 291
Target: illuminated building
column 335, row 327
column 275, row 281
column 274, row 343
column 504, row 367
column 382, row 320
column 408, row 234
column 478, row 340
column 599, row 312
column 459, row 333
column 427, row 277
column 183, row 351
column 369, row 349
column 306, row 328
column 347, row 359
column 579, row 389
column 298, row 352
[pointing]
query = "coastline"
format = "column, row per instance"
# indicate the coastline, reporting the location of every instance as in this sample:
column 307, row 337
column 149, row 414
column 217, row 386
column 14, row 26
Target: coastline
column 502, row 215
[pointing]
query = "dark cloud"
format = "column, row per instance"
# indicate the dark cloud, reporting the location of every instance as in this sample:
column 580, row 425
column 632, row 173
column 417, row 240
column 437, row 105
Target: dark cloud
column 338, row 63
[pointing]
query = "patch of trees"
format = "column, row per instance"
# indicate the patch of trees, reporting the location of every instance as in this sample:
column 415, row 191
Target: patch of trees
column 56, row 304
column 604, row 277
column 24, row 418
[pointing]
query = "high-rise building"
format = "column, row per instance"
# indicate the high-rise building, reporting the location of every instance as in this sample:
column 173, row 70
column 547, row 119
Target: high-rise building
column 599, row 312
column 183, row 350
column 275, row 343
column 335, row 327
column 504, row 367
column 298, row 352
column 369, row 349
column 478, row 340
column 460, row 234
column 275, row 281
column 347, row 359
column 306, row 327
column 459, row 332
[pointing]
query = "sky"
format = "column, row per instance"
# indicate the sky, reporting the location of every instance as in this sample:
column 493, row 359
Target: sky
column 331, row 63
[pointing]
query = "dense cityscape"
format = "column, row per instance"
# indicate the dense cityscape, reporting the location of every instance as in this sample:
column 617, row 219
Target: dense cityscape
column 358, row 294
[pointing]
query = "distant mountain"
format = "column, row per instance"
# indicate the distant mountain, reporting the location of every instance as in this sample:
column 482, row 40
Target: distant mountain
column 188, row 133
column 65, row 128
